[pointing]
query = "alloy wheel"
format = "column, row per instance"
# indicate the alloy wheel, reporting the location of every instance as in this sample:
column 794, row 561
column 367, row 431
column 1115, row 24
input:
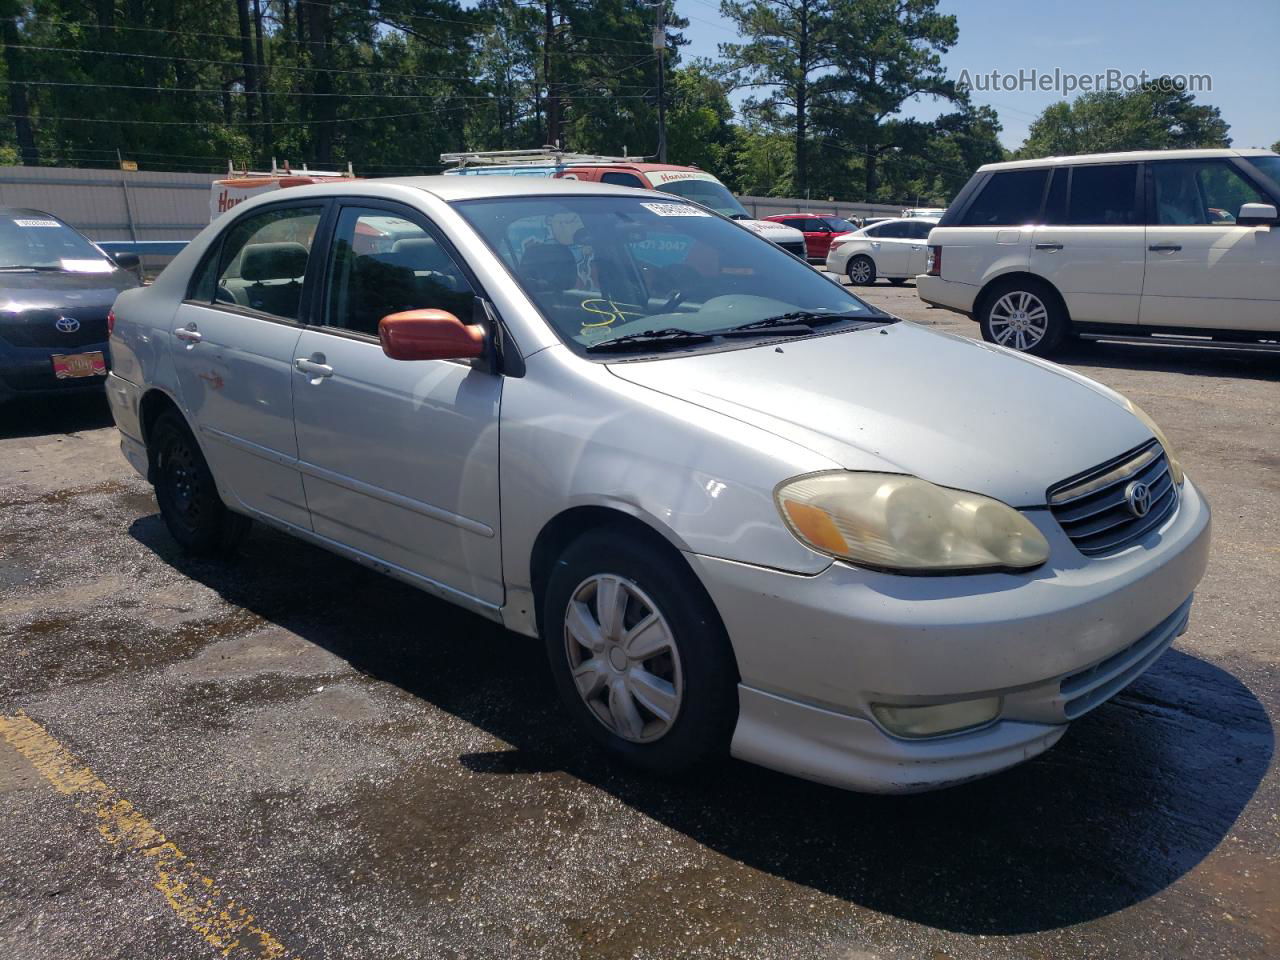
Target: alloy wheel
column 860, row 270
column 1019, row 319
column 623, row 658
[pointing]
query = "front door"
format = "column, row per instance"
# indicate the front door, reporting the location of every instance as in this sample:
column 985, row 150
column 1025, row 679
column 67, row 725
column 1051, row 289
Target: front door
column 1202, row 269
column 233, row 348
column 399, row 459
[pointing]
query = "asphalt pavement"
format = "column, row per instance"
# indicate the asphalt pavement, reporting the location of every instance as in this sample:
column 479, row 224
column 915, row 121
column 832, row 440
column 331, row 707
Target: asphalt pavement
column 287, row 755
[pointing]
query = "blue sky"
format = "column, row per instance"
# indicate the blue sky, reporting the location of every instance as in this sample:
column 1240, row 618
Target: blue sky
column 1234, row 41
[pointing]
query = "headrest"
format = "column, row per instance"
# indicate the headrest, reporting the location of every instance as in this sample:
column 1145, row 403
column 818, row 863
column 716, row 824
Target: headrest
column 549, row 266
column 414, row 245
column 286, row 260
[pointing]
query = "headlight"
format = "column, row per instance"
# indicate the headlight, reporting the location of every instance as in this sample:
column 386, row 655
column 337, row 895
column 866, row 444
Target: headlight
column 901, row 523
column 1175, row 468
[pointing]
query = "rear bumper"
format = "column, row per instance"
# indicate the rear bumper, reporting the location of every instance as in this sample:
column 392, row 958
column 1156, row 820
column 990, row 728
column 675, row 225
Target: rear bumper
column 946, row 293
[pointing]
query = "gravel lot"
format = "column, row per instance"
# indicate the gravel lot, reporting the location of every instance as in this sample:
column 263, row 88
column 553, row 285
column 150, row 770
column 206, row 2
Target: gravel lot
column 289, row 756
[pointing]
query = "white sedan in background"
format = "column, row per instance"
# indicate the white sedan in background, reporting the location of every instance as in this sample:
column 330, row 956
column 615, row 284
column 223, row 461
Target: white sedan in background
column 893, row 249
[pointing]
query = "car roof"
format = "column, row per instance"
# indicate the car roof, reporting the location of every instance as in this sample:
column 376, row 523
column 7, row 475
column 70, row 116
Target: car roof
column 26, row 212
column 1127, row 156
column 792, row 216
column 451, row 188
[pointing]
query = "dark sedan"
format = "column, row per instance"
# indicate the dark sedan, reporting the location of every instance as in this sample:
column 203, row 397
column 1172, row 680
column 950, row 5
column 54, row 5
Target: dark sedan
column 56, row 290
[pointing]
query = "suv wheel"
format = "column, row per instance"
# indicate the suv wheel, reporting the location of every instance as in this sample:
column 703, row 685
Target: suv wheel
column 638, row 653
column 1023, row 315
column 862, row 270
column 186, row 492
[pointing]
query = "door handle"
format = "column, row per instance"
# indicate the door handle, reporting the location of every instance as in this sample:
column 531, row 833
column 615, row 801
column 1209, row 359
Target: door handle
column 1049, row 246
column 189, row 333
column 1165, row 247
column 314, row 366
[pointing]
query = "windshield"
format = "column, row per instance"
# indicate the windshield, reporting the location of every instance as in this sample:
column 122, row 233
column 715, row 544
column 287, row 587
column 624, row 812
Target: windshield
column 38, row 241
column 712, row 194
column 1268, row 165
column 604, row 267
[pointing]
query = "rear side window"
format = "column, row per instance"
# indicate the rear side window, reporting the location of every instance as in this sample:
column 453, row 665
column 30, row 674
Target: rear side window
column 621, row 179
column 1010, row 198
column 264, row 259
column 895, row 231
column 919, row 230
column 1104, row 196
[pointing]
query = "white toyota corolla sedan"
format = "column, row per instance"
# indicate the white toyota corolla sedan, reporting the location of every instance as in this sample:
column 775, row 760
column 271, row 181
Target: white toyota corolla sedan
column 745, row 511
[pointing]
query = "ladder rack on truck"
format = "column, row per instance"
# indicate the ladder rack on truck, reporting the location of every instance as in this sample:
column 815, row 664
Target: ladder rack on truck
column 528, row 162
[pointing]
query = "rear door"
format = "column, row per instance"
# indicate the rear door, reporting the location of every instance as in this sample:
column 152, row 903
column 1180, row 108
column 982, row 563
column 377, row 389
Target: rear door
column 917, row 234
column 399, row 459
column 891, row 248
column 233, row 348
column 1202, row 269
column 1092, row 244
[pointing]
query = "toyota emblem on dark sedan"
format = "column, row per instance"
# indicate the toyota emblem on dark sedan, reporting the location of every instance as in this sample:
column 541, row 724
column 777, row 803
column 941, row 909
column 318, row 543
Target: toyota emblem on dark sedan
column 1138, row 496
column 67, row 324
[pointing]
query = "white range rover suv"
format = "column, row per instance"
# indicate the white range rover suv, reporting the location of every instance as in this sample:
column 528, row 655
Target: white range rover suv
column 1144, row 245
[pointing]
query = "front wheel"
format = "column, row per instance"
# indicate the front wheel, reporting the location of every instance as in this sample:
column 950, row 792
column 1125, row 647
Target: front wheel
column 1025, row 316
column 862, row 270
column 638, row 652
column 185, row 490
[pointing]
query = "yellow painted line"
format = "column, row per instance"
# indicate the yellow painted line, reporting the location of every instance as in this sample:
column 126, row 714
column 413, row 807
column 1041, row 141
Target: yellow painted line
column 197, row 901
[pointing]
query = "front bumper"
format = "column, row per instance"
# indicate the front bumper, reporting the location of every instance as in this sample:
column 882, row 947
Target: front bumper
column 28, row 372
column 814, row 652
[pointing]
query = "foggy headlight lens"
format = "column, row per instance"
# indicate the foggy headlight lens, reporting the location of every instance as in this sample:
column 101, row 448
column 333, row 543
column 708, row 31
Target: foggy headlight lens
column 903, row 523
column 1175, row 468
column 936, row 719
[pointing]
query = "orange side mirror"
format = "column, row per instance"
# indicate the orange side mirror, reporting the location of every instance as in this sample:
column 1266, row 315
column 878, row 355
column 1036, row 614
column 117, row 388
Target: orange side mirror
column 429, row 335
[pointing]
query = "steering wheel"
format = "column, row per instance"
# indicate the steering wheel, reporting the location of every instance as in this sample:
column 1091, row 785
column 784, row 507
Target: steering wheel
column 677, row 298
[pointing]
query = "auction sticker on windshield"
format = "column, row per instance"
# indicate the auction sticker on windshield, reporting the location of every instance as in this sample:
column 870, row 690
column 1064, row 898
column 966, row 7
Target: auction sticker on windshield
column 675, row 210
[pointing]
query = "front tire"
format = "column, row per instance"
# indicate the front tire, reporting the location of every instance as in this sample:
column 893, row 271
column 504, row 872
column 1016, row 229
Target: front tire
column 638, row 653
column 862, row 271
column 1024, row 315
column 187, row 494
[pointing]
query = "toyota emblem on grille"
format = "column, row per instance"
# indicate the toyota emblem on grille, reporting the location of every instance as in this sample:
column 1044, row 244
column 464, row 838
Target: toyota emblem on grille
column 1138, row 496
column 67, row 324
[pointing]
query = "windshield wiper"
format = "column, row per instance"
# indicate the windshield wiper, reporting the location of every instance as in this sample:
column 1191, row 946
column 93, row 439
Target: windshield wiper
column 30, row 266
column 649, row 338
column 802, row 320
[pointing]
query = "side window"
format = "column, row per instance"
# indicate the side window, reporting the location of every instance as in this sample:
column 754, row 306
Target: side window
column 919, row 230
column 203, row 286
column 1104, row 195
column 872, row 231
column 264, row 258
column 621, row 179
column 380, row 263
column 1200, row 192
column 1009, row 199
column 895, row 231
column 1055, row 204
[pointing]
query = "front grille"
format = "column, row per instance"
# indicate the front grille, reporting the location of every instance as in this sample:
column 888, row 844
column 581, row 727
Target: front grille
column 794, row 247
column 38, row 328
column 1083, row 691
column 1093, row 507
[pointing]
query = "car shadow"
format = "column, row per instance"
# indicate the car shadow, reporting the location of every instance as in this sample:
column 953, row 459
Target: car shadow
column 1134, row 796
column 32, row 417
column 1197, row 361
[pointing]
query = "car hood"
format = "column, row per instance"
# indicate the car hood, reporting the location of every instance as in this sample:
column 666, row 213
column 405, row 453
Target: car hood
column 770, row 230
column 21, row 289
column 904, row 399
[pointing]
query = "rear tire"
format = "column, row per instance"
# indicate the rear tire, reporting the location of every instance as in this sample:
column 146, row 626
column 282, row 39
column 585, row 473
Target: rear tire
column 862, row 271
column 1024, row 314
column 638, row 653
column 188, row 497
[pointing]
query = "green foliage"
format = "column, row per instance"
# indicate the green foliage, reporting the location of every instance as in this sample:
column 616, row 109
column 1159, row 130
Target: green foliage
column 1158, row 116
